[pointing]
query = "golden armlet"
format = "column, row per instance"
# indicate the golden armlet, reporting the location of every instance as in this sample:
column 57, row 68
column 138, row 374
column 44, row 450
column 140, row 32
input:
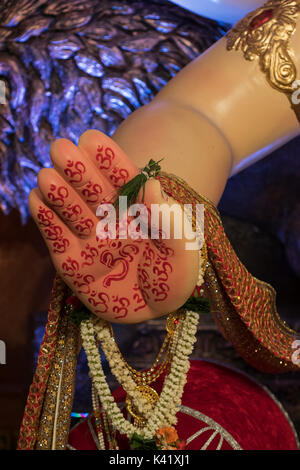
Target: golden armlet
column 265, row 34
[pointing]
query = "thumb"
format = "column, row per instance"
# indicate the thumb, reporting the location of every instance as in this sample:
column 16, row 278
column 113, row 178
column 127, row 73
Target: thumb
column 175, row 232
column 154, row 193
column 167, row 218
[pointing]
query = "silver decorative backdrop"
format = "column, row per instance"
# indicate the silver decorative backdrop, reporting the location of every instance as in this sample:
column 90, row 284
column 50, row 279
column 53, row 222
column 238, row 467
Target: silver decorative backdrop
column 70, row 66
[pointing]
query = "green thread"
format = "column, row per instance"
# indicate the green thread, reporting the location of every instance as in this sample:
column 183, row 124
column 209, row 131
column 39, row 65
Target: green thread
column 132, row 188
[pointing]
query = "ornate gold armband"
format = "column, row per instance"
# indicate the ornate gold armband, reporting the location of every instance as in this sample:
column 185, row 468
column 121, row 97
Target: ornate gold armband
column 265, row 34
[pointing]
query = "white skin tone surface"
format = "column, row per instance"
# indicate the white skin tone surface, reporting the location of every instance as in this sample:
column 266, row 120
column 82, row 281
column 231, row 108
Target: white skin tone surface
column 228, row 11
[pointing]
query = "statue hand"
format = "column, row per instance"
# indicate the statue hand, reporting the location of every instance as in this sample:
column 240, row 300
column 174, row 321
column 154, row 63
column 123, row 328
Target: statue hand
column 121, row 280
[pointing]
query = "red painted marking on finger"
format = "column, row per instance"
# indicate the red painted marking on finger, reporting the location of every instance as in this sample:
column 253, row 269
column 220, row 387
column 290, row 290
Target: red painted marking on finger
column 45, row 217
column 91, row 192
column 84, row 226
column 74, row 171
column 72, row 212
column 57, row 195
column 53, row 232
column 105, row 157
column 154, row 272
column 119, row 176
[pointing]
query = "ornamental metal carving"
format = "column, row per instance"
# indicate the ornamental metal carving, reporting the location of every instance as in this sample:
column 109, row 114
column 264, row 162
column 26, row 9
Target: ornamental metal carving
column 264, row 34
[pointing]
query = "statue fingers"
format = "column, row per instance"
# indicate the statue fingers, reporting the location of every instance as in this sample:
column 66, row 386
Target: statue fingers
column 56, row 234
column 67, row 204
column 78, row 171
column 108, row 157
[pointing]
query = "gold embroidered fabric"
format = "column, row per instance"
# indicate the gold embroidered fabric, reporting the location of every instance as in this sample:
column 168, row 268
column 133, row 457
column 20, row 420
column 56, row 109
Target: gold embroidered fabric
column 50, row 399
column 243, row 307
column 38, row 388
column 56, row 416
column 265, row 34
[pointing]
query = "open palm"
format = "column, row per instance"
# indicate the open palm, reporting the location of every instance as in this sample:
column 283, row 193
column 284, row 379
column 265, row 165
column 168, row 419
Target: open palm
column 121, row 280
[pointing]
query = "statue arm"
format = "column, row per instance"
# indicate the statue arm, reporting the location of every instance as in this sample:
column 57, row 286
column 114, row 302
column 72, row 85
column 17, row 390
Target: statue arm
column 217, row 116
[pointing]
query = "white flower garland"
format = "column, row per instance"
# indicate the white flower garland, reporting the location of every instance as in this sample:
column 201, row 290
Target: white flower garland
column 98, row 377
column 123, row 376
column 164, row 412
column 167, row 406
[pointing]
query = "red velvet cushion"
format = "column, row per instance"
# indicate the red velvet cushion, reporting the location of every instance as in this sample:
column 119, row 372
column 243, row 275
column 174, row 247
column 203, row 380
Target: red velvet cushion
column 227, row 410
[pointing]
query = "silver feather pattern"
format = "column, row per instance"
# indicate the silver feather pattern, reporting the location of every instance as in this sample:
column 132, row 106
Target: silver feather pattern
column 70, row 66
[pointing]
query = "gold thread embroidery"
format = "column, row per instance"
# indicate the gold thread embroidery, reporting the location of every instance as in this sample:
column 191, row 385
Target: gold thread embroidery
column 38, row 388
column 55, row 418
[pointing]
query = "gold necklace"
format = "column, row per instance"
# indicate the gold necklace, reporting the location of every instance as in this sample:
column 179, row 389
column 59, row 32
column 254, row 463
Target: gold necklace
column 143, row 378
column 154, row 372
column 164, row 412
